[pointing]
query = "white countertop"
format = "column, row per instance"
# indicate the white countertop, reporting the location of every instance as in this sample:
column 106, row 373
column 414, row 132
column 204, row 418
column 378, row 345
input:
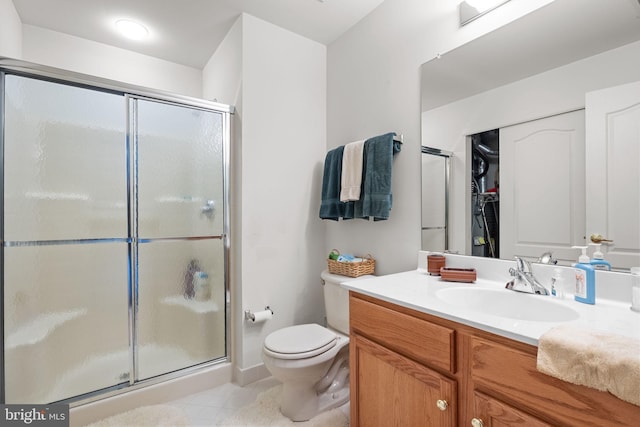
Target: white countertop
column 417, row 290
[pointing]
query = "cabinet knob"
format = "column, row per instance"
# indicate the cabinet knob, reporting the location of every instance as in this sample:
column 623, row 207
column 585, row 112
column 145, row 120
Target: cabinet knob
column 477, row 422
column 442, row 404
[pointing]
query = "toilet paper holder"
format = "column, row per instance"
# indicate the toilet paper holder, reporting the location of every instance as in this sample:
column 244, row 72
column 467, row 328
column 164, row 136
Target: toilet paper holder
column 249, row 315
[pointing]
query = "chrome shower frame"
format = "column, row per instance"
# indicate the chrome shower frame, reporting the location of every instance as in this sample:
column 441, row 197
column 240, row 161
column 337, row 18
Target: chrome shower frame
column 27, row 69
column 446, row 155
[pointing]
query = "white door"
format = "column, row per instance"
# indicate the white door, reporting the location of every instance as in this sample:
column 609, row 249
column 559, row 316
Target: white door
column 542, row 187
column 613, row 171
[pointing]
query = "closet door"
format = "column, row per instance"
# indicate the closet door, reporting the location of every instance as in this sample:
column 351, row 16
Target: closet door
column 542, row 187
column 613, row 171
column 179, row 238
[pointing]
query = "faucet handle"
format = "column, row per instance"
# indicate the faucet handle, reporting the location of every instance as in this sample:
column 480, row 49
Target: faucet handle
column 522, row 265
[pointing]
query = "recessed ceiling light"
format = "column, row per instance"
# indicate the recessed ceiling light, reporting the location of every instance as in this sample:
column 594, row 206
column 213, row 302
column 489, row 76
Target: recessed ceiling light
column 131, row 29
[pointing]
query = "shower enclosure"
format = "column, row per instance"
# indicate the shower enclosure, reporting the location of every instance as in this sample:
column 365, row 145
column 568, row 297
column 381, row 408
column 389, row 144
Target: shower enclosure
column 114, row 235
column 435, row 188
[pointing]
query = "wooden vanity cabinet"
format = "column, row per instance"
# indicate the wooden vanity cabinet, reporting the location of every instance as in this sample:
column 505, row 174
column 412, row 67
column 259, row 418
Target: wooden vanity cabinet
column 409, row 368
column 392, row 356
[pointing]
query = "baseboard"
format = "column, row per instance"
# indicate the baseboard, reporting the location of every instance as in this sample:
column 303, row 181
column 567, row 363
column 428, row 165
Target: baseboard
column 250, row 375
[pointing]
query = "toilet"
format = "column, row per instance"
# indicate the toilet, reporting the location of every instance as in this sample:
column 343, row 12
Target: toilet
column 312, row 361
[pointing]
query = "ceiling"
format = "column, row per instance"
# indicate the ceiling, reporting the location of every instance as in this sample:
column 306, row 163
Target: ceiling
column 188, row 31
column 561, row 32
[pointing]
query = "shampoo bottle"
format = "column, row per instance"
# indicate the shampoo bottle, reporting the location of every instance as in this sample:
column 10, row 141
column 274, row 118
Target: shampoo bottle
column 585, row 278
column 597, row 261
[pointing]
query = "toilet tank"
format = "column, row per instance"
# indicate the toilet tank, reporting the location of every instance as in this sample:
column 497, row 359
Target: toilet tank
column 336, row 300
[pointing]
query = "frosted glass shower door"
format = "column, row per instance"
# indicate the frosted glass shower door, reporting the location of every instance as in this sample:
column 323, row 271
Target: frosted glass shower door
column 65, row 241
column 180, row 243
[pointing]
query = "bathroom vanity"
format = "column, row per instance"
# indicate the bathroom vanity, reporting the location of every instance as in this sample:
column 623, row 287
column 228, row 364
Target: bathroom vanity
column 417, row 360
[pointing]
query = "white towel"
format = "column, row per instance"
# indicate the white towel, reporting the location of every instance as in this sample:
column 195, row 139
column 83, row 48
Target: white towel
column 599, row 360
column 351, row 179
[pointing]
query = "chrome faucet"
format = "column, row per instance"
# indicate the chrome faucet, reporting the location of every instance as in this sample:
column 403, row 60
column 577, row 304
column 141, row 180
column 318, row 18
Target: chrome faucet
column 524, row 280
column 547, row 258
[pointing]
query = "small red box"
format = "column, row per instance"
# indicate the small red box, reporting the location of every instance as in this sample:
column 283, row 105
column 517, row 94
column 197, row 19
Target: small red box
column 451, row 274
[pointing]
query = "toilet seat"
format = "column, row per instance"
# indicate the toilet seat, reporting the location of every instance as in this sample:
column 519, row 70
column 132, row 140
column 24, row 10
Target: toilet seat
column 299, row 342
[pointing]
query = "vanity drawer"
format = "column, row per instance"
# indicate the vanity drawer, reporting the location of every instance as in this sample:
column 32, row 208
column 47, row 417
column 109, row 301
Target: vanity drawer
column 418, row 339
column 511, row 375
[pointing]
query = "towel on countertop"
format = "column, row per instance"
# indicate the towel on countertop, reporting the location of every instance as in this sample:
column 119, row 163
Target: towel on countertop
column 330, row 205
column 352, row 171
column 606, row 362
column 376, row 200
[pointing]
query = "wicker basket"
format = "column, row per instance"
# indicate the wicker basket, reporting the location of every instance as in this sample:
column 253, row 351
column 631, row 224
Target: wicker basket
column 352, row 269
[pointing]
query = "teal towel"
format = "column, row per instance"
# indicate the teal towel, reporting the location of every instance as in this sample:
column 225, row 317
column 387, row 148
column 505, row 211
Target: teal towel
column 330, row 206
column 376, row 198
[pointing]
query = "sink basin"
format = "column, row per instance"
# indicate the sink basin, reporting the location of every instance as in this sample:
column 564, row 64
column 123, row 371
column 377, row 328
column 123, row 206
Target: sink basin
column 509, row 304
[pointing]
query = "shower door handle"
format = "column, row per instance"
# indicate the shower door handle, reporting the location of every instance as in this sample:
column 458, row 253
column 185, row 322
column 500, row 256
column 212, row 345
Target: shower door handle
column 209, row 208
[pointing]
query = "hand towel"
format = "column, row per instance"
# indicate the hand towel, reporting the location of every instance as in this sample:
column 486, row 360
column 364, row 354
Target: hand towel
column 330, row 205
column 376, row 199
column 351, row 171
column 606, row 362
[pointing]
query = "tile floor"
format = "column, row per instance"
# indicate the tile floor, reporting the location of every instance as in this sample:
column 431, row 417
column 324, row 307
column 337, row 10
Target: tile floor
column 210, row 407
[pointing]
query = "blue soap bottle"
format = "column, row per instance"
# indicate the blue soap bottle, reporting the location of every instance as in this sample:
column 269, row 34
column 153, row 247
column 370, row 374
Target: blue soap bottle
column 597, row 260
column 585, row 278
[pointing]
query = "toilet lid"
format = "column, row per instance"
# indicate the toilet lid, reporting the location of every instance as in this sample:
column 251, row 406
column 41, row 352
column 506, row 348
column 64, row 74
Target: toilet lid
column 301, row 340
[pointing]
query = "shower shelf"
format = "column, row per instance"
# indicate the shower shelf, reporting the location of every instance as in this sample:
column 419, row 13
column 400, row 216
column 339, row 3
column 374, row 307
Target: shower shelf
column 42, row 326
column 201, row 307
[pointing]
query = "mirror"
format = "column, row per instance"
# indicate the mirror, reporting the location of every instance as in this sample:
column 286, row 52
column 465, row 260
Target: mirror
column 541, row 65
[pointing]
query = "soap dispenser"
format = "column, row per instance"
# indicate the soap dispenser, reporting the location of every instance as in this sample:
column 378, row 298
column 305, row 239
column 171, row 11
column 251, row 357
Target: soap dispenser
column 585, row 278
column 597, row 261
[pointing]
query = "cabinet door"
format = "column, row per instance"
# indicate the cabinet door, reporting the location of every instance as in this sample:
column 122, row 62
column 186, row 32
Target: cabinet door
column 489, row 412
column 389, row 389
column 613, row 171
column 542, row 187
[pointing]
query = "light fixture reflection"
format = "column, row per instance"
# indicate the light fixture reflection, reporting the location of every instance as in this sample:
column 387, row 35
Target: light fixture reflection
column 473, row 9
column 131, row 29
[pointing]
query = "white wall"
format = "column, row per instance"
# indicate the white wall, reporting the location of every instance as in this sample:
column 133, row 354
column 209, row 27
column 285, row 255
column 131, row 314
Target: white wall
column 222, row 80
column 10, row 31
column 283, row 145
column 556, row 91
column 222, row 75
column 68, row 52
column 373, row 79
column 277, row 153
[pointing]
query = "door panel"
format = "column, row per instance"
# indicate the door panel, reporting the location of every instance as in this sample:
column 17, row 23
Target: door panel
column 65, row 320
column 542, row 187
column 181, row 315
column 65, row 162
column 393, row 390
column 180, row 262
column 180, row 174
column 613, row 171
